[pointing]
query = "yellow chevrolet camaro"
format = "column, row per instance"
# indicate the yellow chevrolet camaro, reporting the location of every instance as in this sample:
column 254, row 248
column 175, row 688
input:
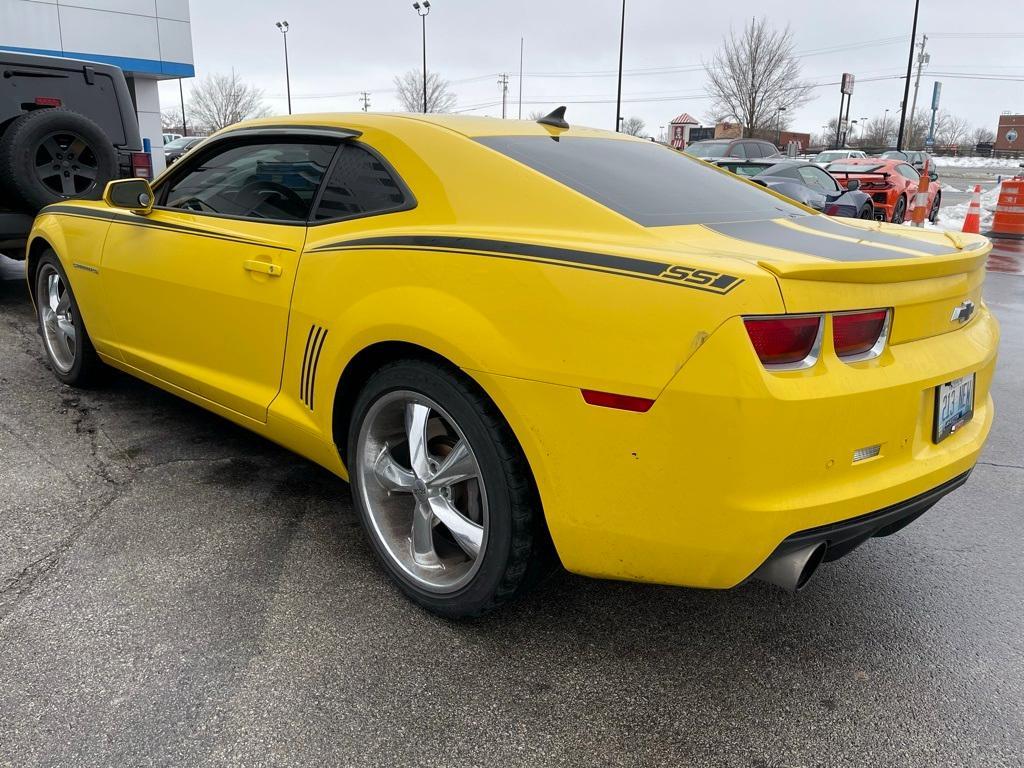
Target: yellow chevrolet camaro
column 522, row 340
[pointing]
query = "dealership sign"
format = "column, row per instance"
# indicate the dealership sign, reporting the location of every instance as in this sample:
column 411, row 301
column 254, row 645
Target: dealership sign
column 847, row 86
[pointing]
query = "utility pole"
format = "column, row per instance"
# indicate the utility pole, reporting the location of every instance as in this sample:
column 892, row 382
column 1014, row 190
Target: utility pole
column 618, row 97
column 503, row 82
column 922, row 59
column 365, row 98
column 520, row 78
column 906, row 85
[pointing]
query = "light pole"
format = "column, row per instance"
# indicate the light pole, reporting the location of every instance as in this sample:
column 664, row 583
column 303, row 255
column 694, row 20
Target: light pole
column 853, row 130
column 885, row 128
column 422, row 9
column 618, row 97
column 283, row 26
column 778, row 126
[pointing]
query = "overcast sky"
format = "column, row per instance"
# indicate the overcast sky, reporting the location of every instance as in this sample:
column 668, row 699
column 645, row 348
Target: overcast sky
column 341, row 47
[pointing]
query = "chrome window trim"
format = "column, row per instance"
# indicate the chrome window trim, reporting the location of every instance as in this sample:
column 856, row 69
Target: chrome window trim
column 879, row 345
column 812, row 356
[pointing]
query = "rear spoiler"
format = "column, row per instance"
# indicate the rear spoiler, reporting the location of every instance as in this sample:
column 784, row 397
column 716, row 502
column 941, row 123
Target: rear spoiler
column 885, row 270
column 848, row 174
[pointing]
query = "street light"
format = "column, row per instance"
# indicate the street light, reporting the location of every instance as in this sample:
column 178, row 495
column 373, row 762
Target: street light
column 778, row 126
column 283, row 27
column 853, row 130
column 422, row 9
column 885, row 128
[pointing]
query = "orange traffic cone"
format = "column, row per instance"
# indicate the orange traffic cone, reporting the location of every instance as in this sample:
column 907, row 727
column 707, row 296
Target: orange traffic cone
column 972, row 223
column 1009, row 214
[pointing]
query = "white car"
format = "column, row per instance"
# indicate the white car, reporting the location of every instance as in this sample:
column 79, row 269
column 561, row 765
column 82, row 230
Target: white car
column 831, row 155
column 169, row 137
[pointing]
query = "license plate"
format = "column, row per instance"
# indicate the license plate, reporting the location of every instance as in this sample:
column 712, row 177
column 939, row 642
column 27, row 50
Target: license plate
column 954, row 406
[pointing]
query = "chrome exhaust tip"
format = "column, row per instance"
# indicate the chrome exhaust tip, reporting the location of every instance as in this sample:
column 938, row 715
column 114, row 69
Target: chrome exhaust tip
column 793, row 569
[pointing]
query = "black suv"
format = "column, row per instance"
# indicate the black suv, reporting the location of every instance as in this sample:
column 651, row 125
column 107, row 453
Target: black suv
column 67, row 127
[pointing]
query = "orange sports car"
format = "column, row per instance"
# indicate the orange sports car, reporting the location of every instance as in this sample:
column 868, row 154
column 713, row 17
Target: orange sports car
column 892, row 184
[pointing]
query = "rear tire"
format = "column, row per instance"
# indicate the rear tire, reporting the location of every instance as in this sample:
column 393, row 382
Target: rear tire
column 458, row 548
column 66, row 341
column 51, row 155
column 868, row 213
column 899, row 213
column 933, row 214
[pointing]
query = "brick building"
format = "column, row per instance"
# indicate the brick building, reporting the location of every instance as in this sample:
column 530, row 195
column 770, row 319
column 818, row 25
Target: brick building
column 1010, row 134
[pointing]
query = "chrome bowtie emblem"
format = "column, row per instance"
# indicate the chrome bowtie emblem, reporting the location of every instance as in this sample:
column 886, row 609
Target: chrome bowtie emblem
column 963, row 312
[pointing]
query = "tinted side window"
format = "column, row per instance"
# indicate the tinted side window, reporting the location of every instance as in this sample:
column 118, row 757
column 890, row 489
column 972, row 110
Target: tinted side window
column 738, row 149
column 910, row 173
column 276, row 181
column 359, row 185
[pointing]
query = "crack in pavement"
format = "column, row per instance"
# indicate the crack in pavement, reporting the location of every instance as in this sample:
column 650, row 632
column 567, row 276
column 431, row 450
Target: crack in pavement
column 1003, row 466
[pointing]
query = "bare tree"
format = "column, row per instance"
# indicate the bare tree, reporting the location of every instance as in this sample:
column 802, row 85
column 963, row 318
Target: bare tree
column 755, row 76
column 219, row 100
column 537, row 114
column 634, row 126
column 951, row 130
column 170, row 120
column 440, row 97
column 983, row 135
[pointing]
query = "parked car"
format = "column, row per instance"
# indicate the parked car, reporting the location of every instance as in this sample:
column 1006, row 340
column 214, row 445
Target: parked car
column 831, row 155
column 893, row 186
column 806, row 183
column 178, row 147
column 515, row 347
column 67, row 127
column 741, row 149
column 169, row 137
column 915, row 158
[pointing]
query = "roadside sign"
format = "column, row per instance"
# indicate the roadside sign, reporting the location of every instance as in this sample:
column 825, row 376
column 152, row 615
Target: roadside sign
column 847, row 86
column 936, row 93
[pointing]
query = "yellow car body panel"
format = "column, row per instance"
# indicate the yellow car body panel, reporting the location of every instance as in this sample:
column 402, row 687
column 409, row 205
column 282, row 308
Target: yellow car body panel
column 731, row 459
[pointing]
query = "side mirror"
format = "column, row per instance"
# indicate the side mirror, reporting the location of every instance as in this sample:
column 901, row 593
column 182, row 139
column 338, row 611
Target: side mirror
column 853, row 185
column 134, row 194
column 933, row 176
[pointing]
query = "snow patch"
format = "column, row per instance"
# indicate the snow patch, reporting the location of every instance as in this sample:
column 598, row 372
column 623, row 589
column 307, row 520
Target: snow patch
column 951, row 217
column 1008, row 165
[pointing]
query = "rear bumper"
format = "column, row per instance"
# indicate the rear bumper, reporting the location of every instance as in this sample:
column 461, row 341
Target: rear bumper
column 14, row 229
column 732, row 460
column 845, row 536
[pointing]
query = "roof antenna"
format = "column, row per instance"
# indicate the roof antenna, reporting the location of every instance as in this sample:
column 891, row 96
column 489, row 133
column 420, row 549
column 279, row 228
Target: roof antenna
column 555, row 118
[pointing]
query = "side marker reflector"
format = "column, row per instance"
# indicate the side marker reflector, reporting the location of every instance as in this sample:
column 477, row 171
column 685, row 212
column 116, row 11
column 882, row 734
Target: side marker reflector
column 620, row 402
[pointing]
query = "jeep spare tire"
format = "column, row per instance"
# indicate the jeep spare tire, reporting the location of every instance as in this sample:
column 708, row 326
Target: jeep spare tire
column 51, row 155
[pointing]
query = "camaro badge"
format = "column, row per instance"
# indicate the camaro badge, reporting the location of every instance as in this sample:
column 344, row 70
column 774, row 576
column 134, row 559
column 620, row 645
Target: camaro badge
column 963, row 312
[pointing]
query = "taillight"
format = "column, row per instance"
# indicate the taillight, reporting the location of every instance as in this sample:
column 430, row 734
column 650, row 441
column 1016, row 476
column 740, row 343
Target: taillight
column 860, row 335
column 832, row 210
column 621, row 402
column 47, row 101
column 142, row 165
column 787, row 341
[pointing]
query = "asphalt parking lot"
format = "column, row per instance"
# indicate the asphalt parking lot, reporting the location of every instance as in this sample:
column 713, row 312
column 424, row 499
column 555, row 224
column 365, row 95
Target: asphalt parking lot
column 176, row 591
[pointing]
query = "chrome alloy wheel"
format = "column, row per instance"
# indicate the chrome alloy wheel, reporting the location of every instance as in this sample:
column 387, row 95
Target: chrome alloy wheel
column 57, row 319
column 423, row 491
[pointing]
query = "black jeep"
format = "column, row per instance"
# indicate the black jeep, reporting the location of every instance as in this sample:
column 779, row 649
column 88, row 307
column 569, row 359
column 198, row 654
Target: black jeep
column 67, row 127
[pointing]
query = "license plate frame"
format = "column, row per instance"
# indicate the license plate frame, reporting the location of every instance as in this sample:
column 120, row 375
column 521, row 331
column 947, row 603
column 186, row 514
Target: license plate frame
column 950, row 415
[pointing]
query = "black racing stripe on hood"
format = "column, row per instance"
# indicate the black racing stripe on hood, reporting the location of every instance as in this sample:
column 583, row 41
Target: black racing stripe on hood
column 135, row 220
column 834, row 227
column 776, row 235
column 672, row 274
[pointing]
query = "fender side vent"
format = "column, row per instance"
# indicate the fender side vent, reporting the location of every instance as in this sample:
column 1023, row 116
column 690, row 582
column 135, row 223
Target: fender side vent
column 310, row 360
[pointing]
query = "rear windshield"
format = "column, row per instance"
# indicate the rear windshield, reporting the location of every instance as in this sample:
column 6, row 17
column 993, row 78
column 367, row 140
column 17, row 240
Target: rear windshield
column 854, row 168
column 644, row 181
column 708, row 149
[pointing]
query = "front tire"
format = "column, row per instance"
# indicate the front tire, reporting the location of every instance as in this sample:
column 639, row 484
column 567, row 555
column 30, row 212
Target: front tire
column 69, row 350
column 443, row 490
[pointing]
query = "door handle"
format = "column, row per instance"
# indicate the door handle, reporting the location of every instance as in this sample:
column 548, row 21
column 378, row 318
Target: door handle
column 264, row 267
